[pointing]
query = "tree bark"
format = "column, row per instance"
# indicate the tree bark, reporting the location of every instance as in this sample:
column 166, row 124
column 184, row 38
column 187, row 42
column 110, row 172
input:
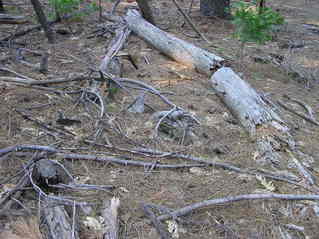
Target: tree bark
column 216, row 8
column 43, row 20
column 2, row 7
column 146, row 10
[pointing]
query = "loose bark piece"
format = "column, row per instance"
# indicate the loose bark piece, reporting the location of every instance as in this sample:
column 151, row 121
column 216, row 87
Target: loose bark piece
column 58, row 223
column 179, row 50
column 110, row 215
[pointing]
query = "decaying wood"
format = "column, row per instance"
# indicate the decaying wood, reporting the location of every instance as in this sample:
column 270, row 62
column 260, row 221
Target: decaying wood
column 58, row 223
column 146, row 10
column 48, row 172
column 10, row 19
column 110, row 215
column 179, row 50
column 252, row 110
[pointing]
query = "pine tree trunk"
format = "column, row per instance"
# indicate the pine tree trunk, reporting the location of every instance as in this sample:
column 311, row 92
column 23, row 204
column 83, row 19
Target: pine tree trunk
column 43, row 20
column 216, row 8
column 1, row 7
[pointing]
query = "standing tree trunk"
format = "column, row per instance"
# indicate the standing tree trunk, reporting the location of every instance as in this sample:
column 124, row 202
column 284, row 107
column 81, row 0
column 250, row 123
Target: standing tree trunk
column 1, row 7
column 145, row 7
column 43, row 20
column 216, row 8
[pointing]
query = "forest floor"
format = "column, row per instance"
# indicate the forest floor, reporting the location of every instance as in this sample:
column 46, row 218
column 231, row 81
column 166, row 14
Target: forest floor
column 219, row 136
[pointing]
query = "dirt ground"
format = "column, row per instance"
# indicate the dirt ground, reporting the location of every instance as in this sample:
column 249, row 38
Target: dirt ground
column 218, row 137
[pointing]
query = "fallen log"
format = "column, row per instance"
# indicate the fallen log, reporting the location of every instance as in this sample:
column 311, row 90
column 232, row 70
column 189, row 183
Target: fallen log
column 253, row 111
column 58, row 224
column 180, row 50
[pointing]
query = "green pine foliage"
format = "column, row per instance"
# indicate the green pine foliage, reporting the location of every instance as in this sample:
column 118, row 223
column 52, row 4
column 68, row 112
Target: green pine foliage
column 255, row 25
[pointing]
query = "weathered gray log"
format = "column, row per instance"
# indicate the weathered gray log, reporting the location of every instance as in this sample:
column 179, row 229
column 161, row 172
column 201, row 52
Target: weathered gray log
column 110, row 215
column 253, row 112
column 179, row 50
column 58, row 224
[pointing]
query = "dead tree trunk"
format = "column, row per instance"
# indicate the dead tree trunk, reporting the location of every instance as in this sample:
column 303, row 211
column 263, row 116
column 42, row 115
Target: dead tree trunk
column 216, row 8
column 253, row 111
column 146, row 10
column 179, row 50
column 1, row 7
column 43, row 20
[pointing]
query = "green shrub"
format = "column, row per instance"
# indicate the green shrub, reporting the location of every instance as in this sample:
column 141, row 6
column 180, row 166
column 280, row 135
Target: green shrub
column 63, row 7
column 253, row 25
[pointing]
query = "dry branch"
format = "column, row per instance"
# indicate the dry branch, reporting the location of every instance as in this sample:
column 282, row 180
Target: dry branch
column 186, row 210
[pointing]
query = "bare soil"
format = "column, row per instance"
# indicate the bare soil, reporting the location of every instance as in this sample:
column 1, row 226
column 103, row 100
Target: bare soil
column 218, row 137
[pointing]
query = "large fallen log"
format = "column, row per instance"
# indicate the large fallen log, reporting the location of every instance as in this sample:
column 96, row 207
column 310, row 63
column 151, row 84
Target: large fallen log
column 254, row 113
column 179, row 50
column 251, row 109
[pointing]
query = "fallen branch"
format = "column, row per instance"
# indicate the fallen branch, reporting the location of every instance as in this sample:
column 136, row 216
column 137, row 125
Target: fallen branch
column 308, row 117
column 189, row 21
column 227, row 200
column 59, row 153
column 157, row 223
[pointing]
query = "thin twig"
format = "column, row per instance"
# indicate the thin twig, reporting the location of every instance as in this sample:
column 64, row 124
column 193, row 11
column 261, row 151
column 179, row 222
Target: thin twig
column 305, row 117
column 190, row 22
